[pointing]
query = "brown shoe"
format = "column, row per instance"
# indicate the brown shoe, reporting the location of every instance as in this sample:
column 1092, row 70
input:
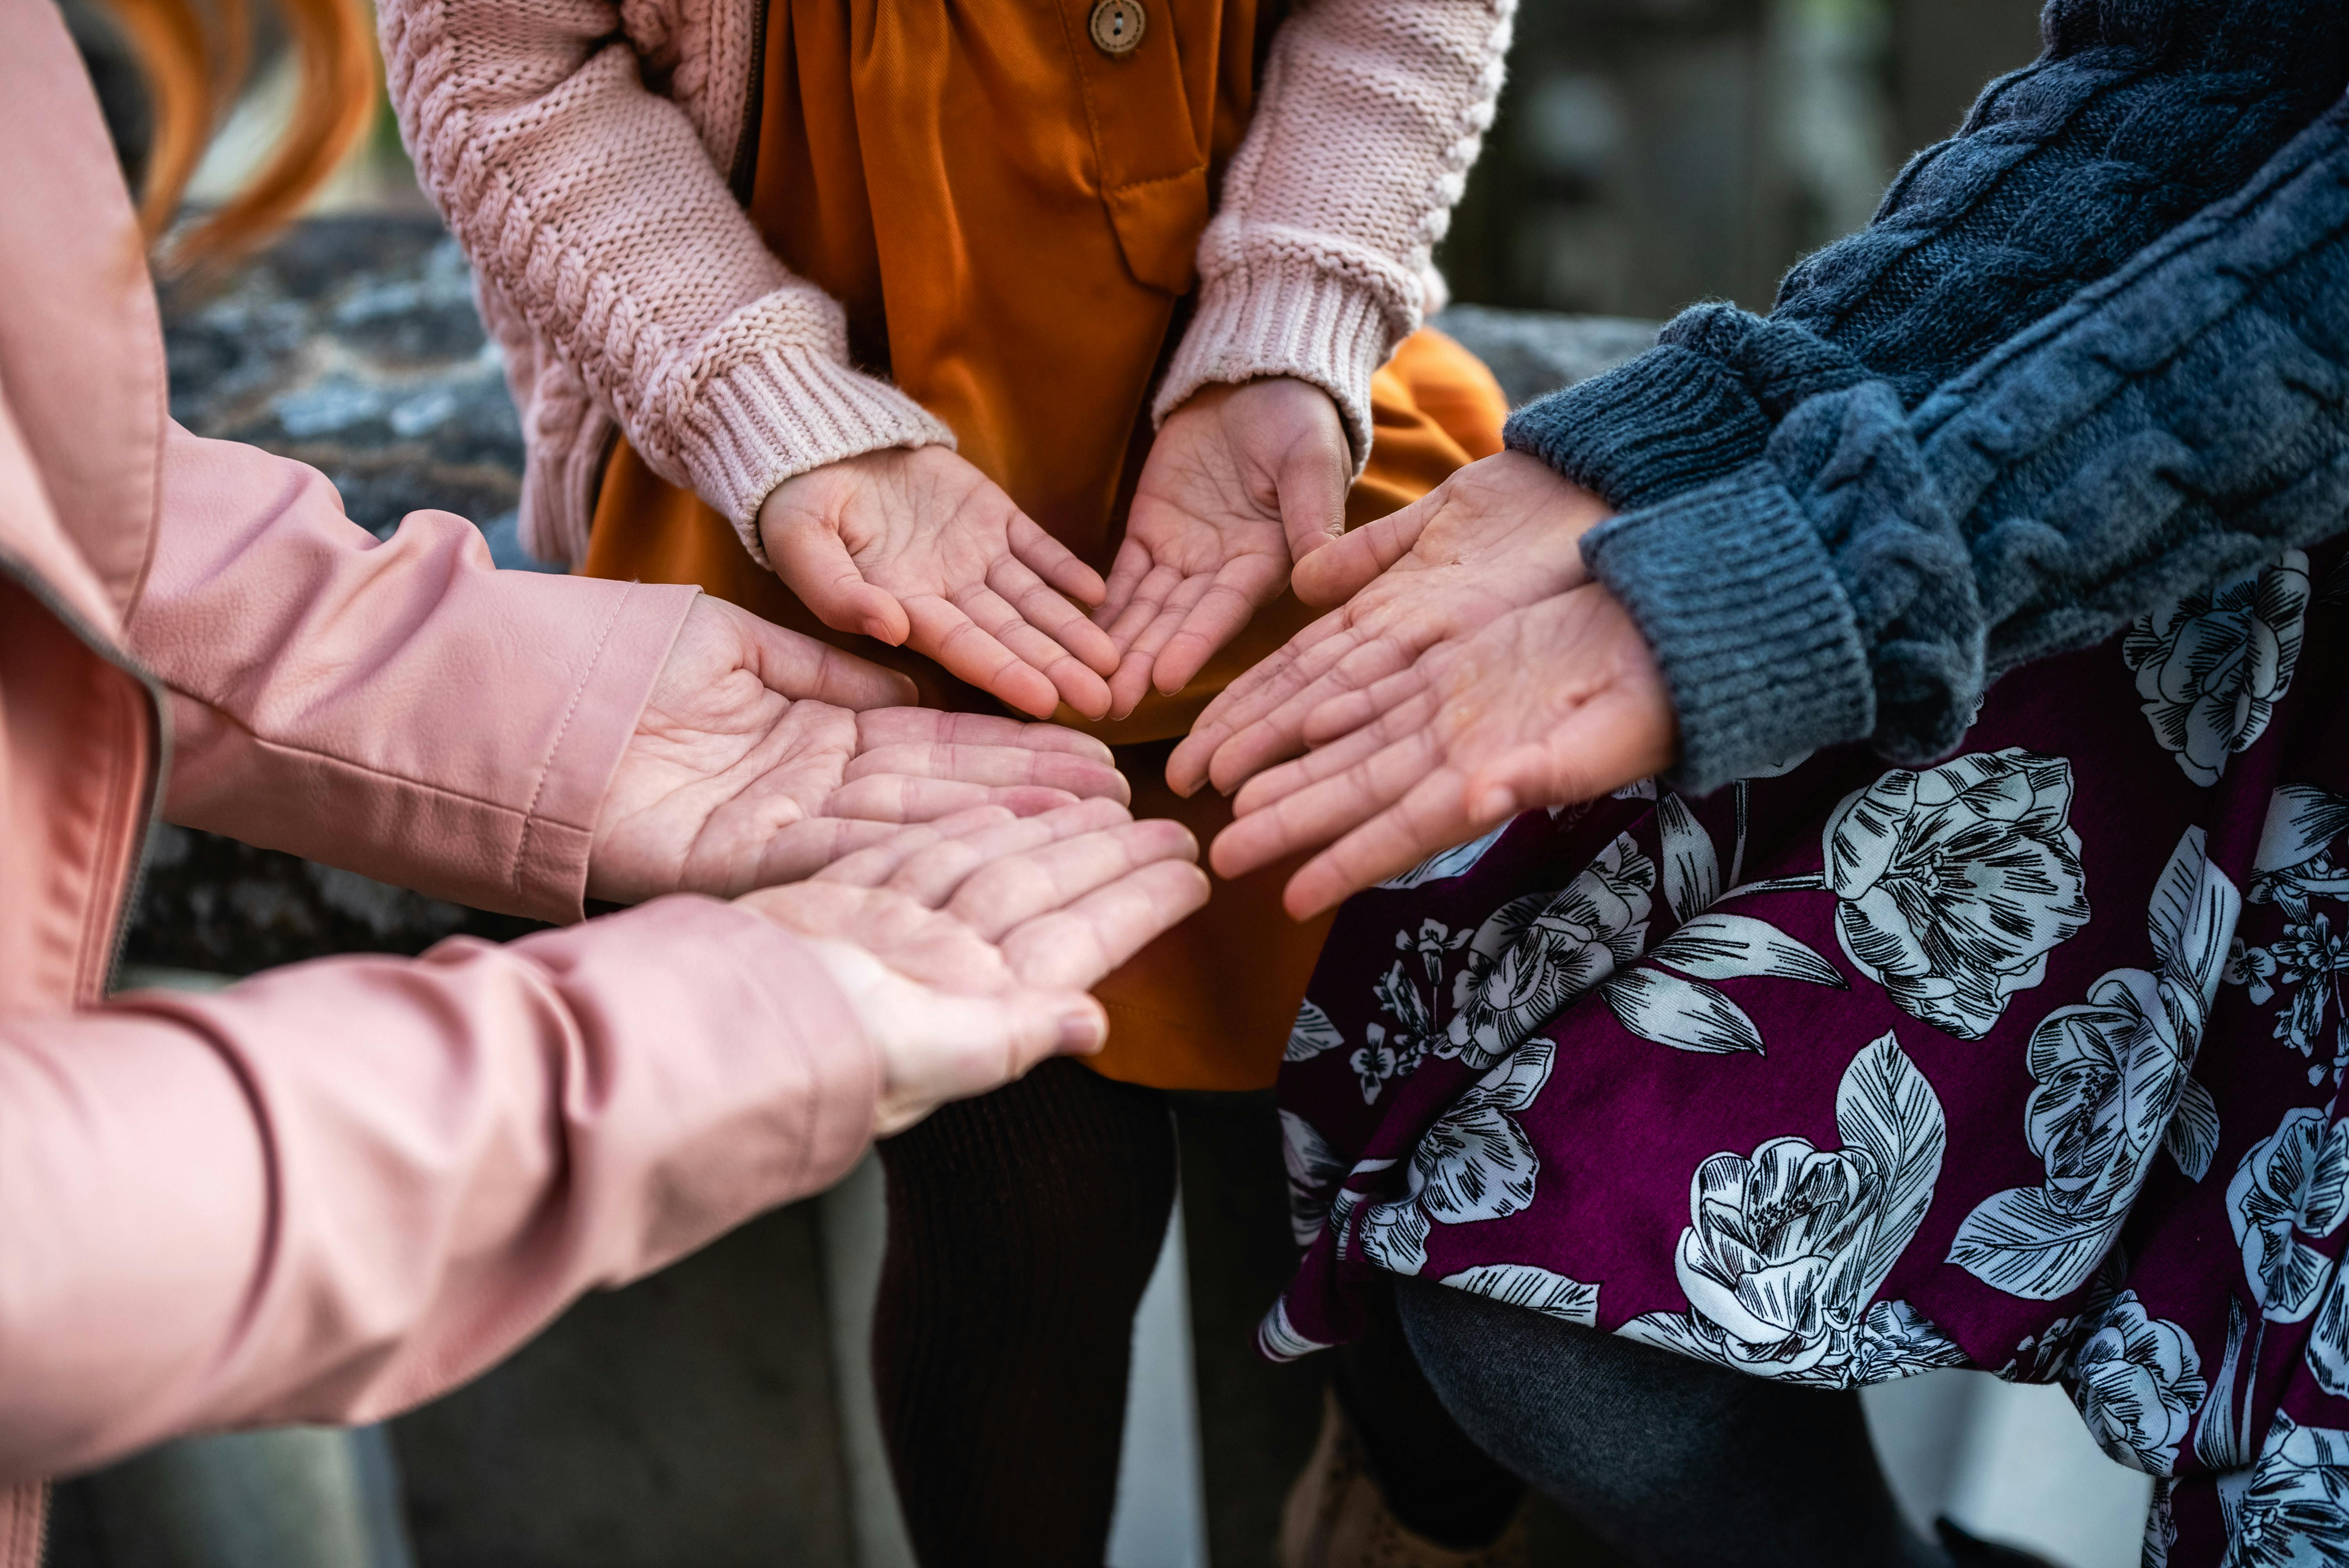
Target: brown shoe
column 1335, row 1516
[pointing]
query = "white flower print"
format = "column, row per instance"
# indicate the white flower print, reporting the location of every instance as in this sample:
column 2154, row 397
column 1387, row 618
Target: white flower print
column 1475, row 1163
column 2291, row 1511
column 2160, row 1525
column 1395, row 1053
column 2293, row 1183
column 1278, row 1338
column 1312, row 1034
column 1314, row 1172
column 2138, row 1382
column 1956, row 883
column 1784, row 1250
column 2296, row 866
column 1445, row 864
column 2212, row 665
column 2328, row 1336
column 1540, row 952
column 1535, row 1289
column 2114, row 1084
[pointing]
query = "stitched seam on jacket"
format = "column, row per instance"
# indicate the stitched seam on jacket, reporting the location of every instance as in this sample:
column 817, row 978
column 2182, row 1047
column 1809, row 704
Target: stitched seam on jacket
column 562, row 732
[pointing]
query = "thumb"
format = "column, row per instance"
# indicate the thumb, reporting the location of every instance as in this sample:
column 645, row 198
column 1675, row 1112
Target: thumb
column 1312, row 484
column 814, row 565
column 956, row 1046
column 801, row 667
column 1336, row 575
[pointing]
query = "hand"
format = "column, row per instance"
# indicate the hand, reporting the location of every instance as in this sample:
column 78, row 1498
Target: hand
column 1557, row 703
column 762, row 756
column 1240, row 482
column 919, row 549
column 1496, row 536
column 965, row 945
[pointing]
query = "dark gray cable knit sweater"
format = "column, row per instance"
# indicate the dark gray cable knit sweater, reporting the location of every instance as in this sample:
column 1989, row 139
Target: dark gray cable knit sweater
column 2093, row 353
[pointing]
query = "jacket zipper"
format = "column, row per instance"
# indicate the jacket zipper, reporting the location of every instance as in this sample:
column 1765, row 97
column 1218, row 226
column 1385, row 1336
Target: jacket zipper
column 746, row 151
column 158, row 735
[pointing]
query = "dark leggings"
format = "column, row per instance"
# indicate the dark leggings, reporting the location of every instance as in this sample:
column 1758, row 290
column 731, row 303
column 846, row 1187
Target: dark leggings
column 1023, row 1226
column 1671, row 1461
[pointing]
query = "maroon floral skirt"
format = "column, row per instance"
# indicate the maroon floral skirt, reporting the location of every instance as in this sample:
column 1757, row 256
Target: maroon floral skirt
column 2030, row 1061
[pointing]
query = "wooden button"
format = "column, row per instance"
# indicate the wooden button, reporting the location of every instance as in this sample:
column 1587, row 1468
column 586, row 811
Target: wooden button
column 1116, row 27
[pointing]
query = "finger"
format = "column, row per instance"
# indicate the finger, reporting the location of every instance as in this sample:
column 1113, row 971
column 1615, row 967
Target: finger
column 816, row 566
column 1324, row 811
column 965, row 1045
column 1015, row 889
column 935, row 874
column 1220, row 613
column 1126, row 573
column 1082, row 944
column 1428, row 817
column 1153, row 595
column 1042, row 607
column 1311, row 485
column 1054, row 562
column 945, row 633
column 1081, row 687
column 806, row 847
column 897, row 798
column 1262, row 688
column 1375, row 684
column 1150, row 621
column 802, row 668
column 1311, row 716
column 1328, row 761
column 998, row 766
column 1344, row 567
column 876, row 863
column 899, row 726
column 1609, row 742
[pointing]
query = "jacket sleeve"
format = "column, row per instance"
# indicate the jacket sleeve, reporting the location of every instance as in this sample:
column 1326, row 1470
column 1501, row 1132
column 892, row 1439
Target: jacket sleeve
column 589, row 203
column 1319, row 259
column 340, row 1188
column 1873, row 569
column 399, row 708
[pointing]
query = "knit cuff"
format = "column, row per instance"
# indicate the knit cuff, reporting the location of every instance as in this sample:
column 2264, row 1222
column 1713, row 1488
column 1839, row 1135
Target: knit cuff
column 1285, row 316
column 1669, row 421
column 783, row 412
column 1738, row 597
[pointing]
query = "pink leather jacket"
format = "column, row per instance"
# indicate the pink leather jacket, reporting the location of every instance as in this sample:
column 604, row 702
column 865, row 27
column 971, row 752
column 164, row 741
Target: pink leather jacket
column 341, row 1188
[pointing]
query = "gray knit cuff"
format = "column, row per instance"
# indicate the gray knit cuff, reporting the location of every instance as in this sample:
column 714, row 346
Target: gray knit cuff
column 1738, row 597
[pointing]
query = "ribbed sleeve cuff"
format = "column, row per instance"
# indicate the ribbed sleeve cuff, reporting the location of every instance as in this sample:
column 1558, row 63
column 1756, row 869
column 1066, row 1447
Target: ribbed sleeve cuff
column 783, row 412
column 1286, row 316
column 1738, row 597
column 1669, row 421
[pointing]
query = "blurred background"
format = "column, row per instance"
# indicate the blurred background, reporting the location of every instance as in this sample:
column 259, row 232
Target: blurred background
column 1648, row 153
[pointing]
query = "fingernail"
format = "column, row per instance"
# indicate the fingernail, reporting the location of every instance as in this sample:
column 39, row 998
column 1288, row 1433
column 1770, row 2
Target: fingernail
column 1082, row 1033
column 1495, row 804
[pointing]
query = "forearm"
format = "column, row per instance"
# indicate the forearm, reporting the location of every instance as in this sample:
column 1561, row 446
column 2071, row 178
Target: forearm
column 1367, row 118
column 400, row 709
column 337, row 1190
column 2175, row 425
column 2135, row 119
column 591, row 206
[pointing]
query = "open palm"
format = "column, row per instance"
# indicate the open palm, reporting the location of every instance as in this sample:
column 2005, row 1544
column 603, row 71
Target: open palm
column 965, row 945
column 919, row 549
column 1497, row 535
column 761, row 757
column 1240, row 481
column 1555, row 703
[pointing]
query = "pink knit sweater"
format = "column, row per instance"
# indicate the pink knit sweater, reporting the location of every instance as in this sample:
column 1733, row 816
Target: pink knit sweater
column 626, row 284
